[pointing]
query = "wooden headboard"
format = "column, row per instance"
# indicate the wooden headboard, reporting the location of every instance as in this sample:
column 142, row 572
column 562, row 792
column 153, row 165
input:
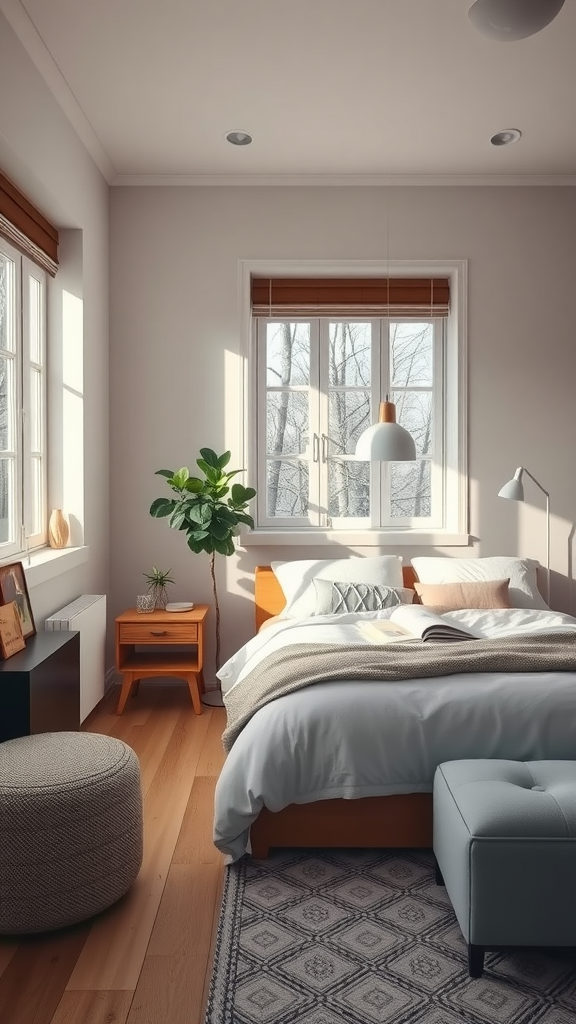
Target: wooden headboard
column 269, row 598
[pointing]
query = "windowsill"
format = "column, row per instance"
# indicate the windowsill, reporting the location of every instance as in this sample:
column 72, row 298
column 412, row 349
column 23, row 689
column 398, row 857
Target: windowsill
column 46, row 563
column 360, row 538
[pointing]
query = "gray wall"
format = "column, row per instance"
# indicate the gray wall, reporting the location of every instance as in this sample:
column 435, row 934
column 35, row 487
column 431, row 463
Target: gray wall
column 176, row 368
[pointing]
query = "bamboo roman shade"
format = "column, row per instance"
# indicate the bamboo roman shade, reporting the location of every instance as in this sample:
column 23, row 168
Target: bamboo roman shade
column 282, row 297
column 25, row 227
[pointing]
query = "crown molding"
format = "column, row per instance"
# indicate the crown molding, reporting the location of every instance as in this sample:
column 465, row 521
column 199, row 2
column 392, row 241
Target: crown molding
column 19, row 20
column 344, row 179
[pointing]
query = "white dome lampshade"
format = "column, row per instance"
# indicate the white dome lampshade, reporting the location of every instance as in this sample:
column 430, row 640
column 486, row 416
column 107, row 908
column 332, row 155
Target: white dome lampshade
column 514, row 489
column 509, row 20
column 386, row 441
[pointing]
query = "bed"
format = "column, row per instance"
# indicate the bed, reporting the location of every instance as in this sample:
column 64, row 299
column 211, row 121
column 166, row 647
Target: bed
column 532, row 716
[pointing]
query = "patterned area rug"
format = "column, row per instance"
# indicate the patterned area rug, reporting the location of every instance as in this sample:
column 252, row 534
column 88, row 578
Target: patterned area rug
column 365, row 937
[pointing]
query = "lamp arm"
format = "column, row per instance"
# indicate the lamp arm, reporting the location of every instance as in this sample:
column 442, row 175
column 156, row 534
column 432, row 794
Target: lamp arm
column 537, row 482
column 545, row 492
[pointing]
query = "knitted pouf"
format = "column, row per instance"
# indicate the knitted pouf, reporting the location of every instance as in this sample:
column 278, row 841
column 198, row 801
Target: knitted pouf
column 70, row 828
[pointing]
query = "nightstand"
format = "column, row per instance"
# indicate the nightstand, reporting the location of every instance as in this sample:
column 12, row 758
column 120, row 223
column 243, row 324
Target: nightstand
column 157, row 629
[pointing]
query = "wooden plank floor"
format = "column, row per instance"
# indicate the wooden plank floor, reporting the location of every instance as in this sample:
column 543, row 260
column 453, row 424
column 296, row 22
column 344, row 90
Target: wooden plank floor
column 146, row 960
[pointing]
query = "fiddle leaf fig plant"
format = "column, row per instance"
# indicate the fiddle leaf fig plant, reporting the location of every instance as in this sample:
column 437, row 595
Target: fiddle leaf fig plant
column 208, row 509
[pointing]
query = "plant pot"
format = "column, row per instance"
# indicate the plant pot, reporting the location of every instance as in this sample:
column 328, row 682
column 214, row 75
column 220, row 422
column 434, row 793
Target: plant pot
column 160, row 598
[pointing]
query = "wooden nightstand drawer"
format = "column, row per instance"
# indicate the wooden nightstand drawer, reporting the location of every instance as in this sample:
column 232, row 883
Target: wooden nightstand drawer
column 158, row 633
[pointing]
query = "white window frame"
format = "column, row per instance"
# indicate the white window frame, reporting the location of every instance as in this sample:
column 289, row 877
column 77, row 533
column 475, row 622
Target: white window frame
column 27, row 512
column 454, row 530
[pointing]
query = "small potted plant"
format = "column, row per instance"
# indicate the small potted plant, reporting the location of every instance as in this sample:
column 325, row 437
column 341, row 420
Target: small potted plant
column 158, row 582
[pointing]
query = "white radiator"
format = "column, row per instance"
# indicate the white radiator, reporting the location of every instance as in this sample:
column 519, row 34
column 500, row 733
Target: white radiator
column 87, row 614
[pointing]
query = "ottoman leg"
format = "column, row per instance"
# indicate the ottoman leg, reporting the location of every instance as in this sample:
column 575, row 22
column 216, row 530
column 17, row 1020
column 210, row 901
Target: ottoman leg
column 475, row 960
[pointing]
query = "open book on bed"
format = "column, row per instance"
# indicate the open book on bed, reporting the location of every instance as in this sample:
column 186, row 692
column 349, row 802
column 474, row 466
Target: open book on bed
column 413, row 624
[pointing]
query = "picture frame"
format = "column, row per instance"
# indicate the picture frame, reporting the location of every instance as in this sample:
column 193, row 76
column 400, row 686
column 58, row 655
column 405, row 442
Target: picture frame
column 11, row 639
column 13, row 587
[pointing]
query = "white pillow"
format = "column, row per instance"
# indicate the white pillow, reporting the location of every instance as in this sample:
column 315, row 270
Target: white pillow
column 523, row 588
column 297, row 578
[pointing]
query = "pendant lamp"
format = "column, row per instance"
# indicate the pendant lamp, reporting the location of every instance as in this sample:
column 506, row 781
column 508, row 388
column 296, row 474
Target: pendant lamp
column 509, row 20
column 386, row 441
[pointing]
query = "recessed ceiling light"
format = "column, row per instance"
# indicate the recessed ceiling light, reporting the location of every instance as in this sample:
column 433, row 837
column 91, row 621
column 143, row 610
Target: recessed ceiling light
column 505, row 137
column 239, row 138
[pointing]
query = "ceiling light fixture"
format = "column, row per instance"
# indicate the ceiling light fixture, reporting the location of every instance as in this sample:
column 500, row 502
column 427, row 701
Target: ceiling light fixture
column 504, row 138
column 509, row 20
column 239, row 137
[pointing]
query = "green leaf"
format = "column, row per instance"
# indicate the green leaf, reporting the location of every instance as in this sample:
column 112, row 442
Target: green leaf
column 237, row 494
column 226, row 515
column 196, row 513
column 219, row 530
column 180, row 477
column 199, row 534
column 224, row 459
column 194, row 485
column 162, row 507
column 178, row 518
column 209, row 457
column 165, row 472
column 246, row 519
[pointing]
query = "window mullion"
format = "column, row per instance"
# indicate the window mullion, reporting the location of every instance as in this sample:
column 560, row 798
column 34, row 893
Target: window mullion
column 379, row 475
column 323, row 348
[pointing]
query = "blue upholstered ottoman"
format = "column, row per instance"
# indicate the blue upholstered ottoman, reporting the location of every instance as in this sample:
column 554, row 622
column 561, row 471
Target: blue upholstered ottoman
column 505, row 847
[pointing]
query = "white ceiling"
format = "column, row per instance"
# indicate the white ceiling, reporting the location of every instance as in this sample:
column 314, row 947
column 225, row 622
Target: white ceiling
column 333, row 91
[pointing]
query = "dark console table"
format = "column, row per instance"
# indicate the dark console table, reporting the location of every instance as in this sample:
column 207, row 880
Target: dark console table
column 40, row 686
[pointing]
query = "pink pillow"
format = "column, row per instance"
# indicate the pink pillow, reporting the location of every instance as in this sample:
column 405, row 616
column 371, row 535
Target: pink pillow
column 451, row 596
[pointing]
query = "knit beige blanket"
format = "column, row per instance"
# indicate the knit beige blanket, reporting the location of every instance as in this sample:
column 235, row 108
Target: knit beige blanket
column 302, row 665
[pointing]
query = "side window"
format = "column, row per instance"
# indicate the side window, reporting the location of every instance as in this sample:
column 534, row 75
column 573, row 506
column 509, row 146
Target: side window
column 22, row 402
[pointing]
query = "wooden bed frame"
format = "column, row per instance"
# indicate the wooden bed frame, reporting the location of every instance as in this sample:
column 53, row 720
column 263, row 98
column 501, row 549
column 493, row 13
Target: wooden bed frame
column 382, row 821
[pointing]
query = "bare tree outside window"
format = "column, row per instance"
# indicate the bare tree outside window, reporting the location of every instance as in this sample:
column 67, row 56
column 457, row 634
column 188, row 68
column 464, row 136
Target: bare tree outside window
column 320, row 397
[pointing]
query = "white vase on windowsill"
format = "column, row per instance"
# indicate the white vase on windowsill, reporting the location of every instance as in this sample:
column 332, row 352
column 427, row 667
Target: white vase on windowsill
column 58, row 529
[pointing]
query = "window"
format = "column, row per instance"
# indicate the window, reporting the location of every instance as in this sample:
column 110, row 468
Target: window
column 318, row 381
column 22, row 402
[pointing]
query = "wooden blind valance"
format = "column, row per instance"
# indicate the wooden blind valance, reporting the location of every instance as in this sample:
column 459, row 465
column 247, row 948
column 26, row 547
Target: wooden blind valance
column 25, row 227
column 281, row 297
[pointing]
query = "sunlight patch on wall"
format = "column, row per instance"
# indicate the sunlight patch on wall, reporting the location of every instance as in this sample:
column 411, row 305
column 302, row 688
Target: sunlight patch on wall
column 234, row 386
column 73, row 414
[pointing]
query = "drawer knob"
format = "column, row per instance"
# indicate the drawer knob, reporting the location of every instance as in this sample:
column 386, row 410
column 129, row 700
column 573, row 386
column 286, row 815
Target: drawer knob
column 158, row 632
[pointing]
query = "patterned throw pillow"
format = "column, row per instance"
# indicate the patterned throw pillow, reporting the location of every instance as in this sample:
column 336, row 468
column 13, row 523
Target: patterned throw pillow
column 334, row 597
